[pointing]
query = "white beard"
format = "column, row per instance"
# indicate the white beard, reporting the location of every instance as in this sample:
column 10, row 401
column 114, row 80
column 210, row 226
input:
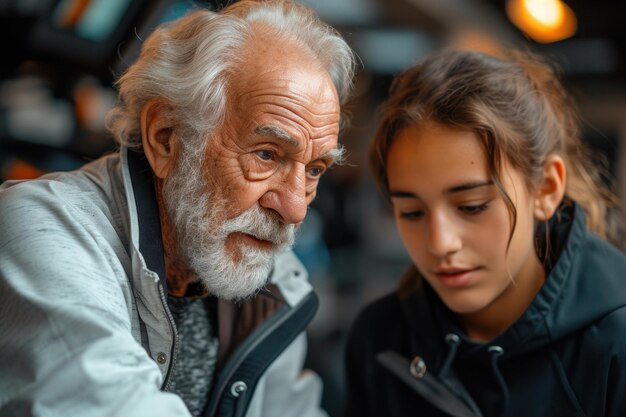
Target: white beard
column 201, row 233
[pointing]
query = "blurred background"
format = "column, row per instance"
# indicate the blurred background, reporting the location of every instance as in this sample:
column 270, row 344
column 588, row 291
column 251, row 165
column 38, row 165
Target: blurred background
column 60, row 58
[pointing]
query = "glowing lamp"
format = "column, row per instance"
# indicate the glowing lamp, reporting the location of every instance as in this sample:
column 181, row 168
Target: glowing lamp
column 543, row 20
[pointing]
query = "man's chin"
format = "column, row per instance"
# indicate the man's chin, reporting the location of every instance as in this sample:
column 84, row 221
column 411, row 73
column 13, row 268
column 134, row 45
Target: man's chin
column 237, row 280
column 235, row 293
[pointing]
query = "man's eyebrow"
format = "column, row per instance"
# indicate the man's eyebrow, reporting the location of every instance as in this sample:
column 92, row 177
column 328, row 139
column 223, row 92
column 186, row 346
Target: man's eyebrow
column 334, row 156
column 452, row 190
column 277, row 132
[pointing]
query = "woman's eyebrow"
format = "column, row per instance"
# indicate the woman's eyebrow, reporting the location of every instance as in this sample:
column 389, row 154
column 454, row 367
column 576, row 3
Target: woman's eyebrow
column 402, row 194
column 470, row 185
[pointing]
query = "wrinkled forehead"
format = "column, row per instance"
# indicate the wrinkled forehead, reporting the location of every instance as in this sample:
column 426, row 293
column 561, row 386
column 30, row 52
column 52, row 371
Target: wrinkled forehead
column 282, row 74
column 268, row 50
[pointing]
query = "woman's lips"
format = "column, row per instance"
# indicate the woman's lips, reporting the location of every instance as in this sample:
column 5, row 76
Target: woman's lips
column 456, row 277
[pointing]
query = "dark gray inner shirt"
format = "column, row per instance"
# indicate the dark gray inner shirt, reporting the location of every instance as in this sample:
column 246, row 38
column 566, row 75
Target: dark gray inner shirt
column 197, row 350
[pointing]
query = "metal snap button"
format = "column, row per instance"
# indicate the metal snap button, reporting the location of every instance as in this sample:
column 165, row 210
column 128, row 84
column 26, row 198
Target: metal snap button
column 161, row 358
column 238, row 388
column 418, row 367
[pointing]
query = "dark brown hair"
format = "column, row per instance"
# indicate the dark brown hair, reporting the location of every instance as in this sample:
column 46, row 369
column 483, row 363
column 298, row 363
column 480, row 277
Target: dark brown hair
column 516, row 105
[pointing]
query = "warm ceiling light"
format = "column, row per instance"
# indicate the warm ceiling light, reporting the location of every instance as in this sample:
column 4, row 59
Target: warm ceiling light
column 547, row 12
column 543, row 20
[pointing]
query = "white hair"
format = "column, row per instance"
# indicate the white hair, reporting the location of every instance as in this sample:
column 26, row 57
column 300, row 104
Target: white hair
column 189, row 62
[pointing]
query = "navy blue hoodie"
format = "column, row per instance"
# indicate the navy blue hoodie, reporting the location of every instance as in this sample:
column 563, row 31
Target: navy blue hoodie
column 565, row 356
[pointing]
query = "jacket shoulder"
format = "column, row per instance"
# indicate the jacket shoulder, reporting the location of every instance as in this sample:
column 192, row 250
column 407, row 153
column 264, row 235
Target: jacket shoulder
column 608, row 334
column 598, row 271
column 94, row 185
column 90, row 199
column 31, row 205
column 56, row 236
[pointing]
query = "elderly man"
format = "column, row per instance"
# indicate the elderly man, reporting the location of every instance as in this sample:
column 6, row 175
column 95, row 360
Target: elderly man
column 158, row 281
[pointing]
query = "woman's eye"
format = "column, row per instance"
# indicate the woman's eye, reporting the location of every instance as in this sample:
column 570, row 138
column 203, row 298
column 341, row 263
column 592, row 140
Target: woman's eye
column 412, row 215
column 474, row 209
column 265, row 155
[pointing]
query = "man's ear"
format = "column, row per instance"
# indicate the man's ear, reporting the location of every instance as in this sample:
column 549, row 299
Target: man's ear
column 157, row 136
column 551, row 189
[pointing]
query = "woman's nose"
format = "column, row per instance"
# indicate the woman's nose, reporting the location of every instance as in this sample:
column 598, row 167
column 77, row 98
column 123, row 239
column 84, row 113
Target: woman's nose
column 443, row 238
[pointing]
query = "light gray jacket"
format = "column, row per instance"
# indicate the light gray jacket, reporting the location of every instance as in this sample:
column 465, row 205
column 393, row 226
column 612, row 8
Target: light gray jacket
column 84, row 325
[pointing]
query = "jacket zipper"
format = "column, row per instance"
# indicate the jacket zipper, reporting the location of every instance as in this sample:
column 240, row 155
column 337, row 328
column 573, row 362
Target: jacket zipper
column 233, row 364
column 174, row 350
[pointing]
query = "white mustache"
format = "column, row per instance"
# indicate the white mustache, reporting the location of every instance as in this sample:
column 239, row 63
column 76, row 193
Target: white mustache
column 262, row 225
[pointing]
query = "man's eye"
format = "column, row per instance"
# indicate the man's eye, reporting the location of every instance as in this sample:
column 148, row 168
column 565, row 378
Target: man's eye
column 265, row 155
column 316, row 172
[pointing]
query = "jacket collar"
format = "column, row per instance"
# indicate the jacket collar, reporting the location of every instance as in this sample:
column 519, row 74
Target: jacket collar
column 143, row 210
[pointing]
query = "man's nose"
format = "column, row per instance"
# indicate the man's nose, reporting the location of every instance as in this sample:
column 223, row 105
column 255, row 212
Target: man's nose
column 287, row 196
column 443, row 239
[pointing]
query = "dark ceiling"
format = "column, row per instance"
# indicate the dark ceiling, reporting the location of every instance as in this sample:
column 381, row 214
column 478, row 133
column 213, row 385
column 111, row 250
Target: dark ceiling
column 598, row 49
column 388, row 36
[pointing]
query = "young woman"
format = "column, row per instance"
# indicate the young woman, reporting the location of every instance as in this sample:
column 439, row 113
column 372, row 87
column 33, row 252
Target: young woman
column 515, row 304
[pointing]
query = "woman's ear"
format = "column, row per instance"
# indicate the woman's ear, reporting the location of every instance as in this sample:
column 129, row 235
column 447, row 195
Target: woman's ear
column 157, row 136
column 551, row 189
